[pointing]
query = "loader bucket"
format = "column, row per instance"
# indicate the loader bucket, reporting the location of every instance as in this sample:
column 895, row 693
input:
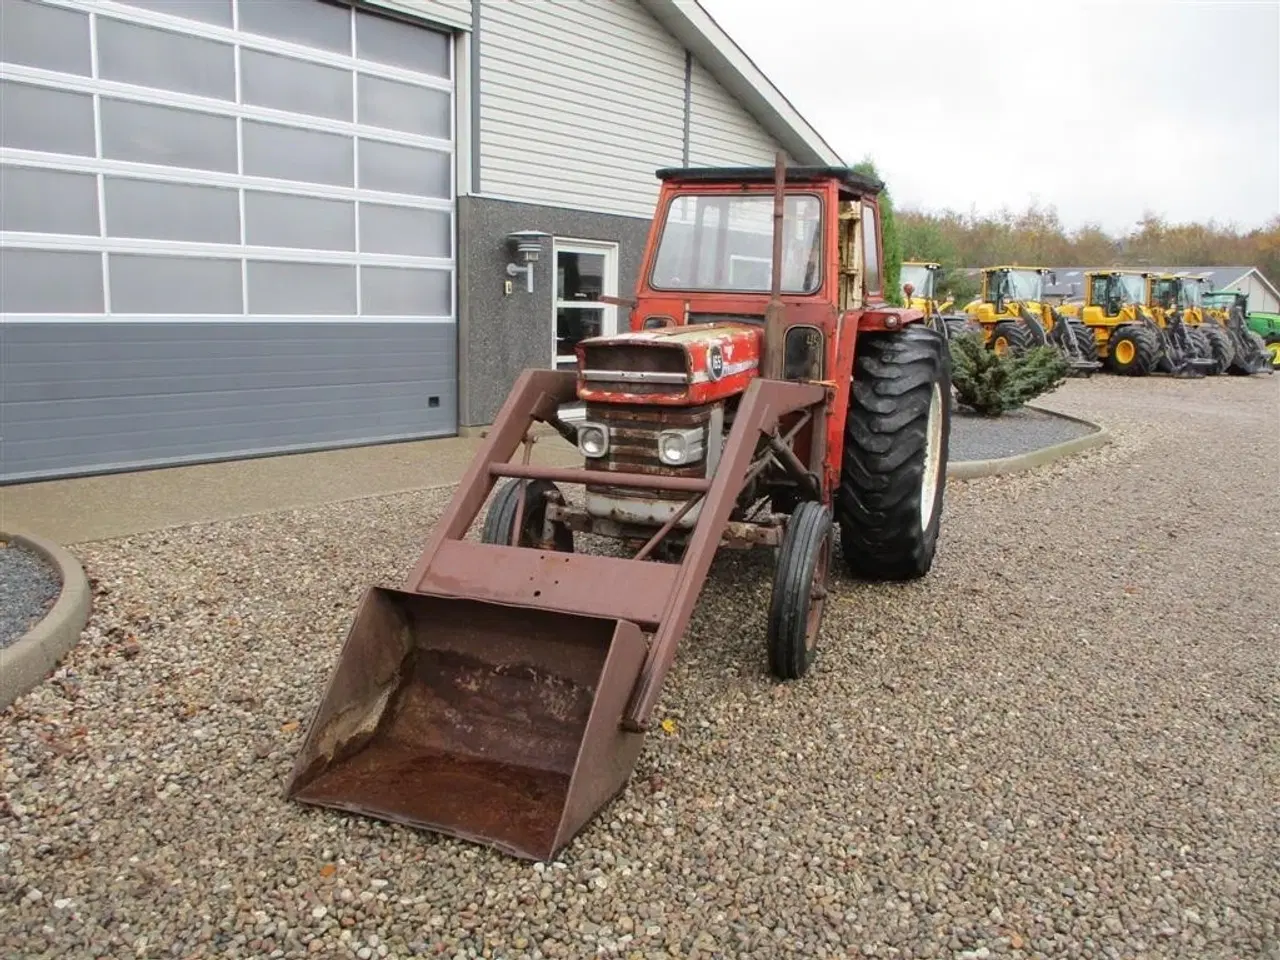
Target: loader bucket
column 495, row 723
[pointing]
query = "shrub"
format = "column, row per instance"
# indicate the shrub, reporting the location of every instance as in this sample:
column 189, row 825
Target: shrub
column 991, row 385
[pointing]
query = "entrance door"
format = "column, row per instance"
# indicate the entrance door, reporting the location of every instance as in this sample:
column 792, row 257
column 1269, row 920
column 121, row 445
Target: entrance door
column 585, row 271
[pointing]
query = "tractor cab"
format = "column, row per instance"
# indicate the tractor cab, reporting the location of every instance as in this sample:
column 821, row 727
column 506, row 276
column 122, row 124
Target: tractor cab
column 1006, row 287
column 919, row 282
column 724, row 298
column 1182, row 292
column 711, row 257
column 1224, row 301
column 1115, row 296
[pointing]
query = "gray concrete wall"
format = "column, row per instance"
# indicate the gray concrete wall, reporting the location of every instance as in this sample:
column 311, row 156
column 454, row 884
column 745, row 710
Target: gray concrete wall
column 97, row 396
column 500, row 335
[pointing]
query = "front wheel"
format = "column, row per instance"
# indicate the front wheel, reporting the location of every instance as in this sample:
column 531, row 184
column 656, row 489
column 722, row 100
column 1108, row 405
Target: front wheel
column 1011, row 338
column 896, row 442
column 1221, row 349
column 799, row 590
column 500, row 521
column 1272, row 347
column 1085, row 341
column 1252, row 359
column 1133, row 350
column 1203, row 344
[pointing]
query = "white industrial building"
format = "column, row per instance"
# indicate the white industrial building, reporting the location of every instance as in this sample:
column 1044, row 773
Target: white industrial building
column 236, row 227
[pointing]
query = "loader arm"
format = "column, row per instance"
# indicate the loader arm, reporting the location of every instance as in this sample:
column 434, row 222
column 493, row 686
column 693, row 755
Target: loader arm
column 503, row 694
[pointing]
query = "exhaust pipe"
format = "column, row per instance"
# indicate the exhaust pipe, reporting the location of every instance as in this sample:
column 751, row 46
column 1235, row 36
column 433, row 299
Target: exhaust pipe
column 775, row 314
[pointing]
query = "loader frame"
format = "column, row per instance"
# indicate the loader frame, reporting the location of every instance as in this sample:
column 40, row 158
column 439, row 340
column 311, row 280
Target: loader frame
column 656, row 596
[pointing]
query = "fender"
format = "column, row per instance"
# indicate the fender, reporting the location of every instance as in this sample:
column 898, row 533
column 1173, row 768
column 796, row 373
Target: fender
column 889, row 318
column 848, row 326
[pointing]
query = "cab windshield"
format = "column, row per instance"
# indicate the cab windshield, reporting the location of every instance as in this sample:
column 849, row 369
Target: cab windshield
column 1019, row 285
column 1164, row 293
column 725, row 243
column 1189, row 293
column 920, row 278
column 1129, row 288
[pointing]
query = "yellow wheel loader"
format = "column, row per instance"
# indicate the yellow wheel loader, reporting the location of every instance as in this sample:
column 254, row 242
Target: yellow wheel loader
column 1015, row 317
column 1128, row 337
column 1176, row 298
column 1228, row 311
column 919, row 279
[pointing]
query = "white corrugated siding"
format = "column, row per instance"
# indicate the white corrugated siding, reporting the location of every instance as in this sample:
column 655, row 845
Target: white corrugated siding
column 580, row 102
column 1260, row 298
column 721, row 132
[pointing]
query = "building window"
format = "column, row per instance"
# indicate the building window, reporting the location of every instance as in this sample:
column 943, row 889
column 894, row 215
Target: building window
column 585, row 270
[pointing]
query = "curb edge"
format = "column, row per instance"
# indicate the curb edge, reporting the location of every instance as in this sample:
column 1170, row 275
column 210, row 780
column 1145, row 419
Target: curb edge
column 976, row 469
column 29, row 660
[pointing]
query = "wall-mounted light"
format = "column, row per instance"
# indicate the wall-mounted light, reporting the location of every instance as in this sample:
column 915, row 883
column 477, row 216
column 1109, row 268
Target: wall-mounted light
column 527, row 244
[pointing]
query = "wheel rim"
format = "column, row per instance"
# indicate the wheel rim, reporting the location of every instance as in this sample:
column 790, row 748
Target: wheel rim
column 1125, row 351
column 817, row 594
column 932, row 458
column 1001, row 346
column 1273, row 351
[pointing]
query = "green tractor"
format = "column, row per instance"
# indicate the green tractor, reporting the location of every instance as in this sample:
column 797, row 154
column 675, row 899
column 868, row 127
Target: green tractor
column 1256, row 336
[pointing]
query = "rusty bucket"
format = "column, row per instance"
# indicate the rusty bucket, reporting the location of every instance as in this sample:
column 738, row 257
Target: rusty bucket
column 493, row 723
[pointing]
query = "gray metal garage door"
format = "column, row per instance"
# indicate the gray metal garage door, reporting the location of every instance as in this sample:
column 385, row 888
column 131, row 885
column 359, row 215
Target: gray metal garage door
column 226, row 228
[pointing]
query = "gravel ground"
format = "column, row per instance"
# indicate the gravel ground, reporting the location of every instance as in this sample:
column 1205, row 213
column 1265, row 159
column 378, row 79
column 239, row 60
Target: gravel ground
column 28, row 588
column 1063, row 743
column 1018, row 431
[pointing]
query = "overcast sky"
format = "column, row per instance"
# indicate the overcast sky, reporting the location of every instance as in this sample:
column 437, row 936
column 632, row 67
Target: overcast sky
column 1100, row 109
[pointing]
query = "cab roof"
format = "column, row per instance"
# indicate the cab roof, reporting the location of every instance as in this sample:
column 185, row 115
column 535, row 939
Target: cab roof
column 851, row 183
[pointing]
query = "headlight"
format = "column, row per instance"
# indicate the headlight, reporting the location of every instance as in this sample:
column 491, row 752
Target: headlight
column 678, row 447
column 593, row 439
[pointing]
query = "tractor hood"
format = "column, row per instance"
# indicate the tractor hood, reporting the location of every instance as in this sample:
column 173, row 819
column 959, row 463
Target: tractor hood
column 672, row 366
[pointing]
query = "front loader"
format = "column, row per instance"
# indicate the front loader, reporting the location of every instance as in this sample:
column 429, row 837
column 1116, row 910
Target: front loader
column 502, row 694
column 1129, row 338
column 1015, row 317
column 920, row 292
column 1254, row 337
column 1175, row 302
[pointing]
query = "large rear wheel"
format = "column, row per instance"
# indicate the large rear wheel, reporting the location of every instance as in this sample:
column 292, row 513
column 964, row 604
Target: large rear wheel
column 960, row 328
column 896, row 443
column 799, row 590
column 1221, row 349
column 1133, row 350
column 1011, row 337
column 1251, row 360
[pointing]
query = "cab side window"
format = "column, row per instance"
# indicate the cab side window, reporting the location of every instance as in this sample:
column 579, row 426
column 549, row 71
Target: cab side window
column 870, row 249
column 1098, row 293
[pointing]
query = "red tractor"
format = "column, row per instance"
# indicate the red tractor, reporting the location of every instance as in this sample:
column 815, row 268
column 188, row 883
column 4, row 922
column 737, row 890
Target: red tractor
column 765, row 395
